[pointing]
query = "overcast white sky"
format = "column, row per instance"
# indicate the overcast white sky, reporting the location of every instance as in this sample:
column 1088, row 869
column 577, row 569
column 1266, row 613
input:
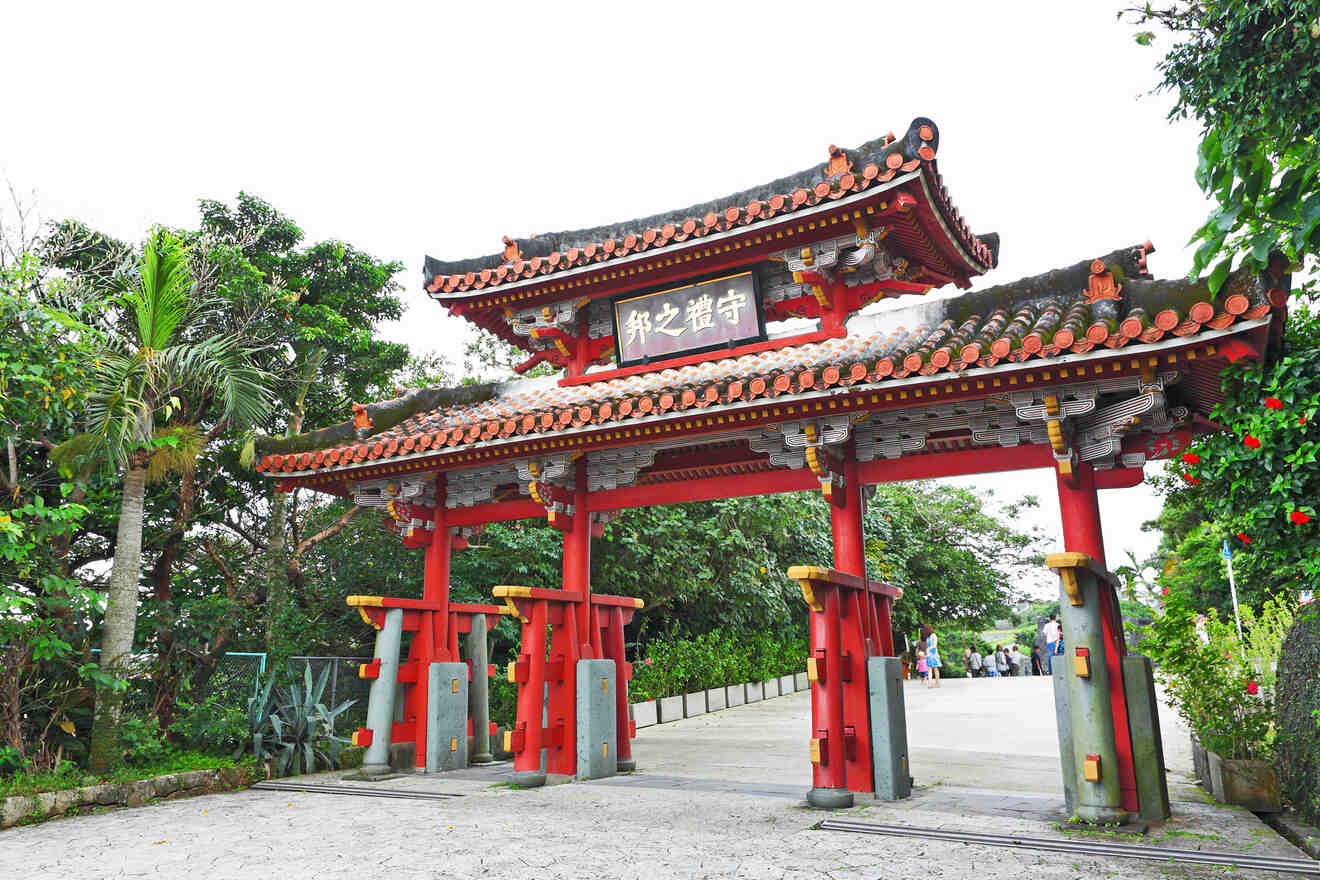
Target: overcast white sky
column 412, row 129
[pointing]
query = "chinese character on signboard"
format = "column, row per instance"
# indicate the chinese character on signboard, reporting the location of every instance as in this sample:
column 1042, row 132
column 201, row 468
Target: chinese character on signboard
column 702, row 316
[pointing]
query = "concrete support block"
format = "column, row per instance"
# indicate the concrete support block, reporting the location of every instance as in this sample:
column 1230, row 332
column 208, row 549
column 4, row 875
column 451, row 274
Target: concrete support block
column 800, row 682
column 770, row 688
column 889, row 746
column 735, row 695
column 447, row 717
column 597, row 719
column 1063, row 719
column 755, row 692
column 671, row 709
column 786, row 686
column 694, row 704
column 1147, row 744
column 644, row 714
column 715, row 699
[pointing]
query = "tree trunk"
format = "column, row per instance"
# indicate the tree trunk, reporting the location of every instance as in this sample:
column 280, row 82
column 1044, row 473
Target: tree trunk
column 167, row 673
column 277, row 568
column 120, row 618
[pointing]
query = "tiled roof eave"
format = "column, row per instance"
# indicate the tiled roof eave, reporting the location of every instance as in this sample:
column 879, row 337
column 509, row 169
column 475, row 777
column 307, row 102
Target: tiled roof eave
column 887, row 385
column 974, row 266
column 795, row 216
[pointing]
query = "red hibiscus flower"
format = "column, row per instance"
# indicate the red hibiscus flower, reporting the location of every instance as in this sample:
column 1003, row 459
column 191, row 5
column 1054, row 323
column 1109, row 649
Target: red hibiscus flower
column 1273, row 403
column 1300, row 517
column 1189, row 478
column 1164, row 592
column 1242, row 536
column 647, row 661
column 1191, row 458
column 1252, row 687
column 1250, row 442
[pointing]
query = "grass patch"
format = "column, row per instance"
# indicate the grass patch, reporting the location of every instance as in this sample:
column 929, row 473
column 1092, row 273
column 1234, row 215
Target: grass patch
column 69, row 776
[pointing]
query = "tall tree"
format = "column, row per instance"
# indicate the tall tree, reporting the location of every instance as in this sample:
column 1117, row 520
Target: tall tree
column 1249, row 72
column 144, row 360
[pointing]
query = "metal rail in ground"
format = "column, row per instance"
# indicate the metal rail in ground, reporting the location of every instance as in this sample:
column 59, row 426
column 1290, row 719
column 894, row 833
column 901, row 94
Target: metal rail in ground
column 360, row 791
column 1307, row 867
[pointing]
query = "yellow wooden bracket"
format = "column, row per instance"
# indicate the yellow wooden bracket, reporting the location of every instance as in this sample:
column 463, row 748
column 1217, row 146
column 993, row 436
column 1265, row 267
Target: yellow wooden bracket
column 816, row 750
column 1091, row 768
column 805, row 575
column 362, row 603
column 1066, row 564
column 508, row 594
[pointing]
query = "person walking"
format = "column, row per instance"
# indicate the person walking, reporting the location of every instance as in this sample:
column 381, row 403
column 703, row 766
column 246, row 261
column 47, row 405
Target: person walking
column 922, row 669
column 1037, row 666
column 1001, row 661
column 1015, row 661
column 1051, row 632
column 932, row 655
column 974, row 665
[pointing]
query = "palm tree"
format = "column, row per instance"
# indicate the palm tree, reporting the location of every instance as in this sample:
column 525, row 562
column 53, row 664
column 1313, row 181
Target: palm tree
column 143, row 362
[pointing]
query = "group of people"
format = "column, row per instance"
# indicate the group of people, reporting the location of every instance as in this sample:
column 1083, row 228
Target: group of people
column 1005, row 661
column 1009, row 660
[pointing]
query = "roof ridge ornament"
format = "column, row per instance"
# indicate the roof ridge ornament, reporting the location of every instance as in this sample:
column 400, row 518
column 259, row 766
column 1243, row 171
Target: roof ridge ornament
column 512, row 254
column 839, row 162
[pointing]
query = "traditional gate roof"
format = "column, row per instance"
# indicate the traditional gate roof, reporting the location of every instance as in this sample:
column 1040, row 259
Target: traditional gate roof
column 1096, row 319
column 896, row 177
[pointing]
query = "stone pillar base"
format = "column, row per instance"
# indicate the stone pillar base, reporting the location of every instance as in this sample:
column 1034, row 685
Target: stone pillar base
column 529, row 778
column 830, row 798
column 627, row 765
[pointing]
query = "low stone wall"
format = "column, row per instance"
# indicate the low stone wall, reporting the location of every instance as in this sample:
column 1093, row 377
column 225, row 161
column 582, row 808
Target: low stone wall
column 669, row 709
column 53, row 804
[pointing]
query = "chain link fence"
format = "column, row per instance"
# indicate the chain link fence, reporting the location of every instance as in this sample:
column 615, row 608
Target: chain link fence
column 343, row 684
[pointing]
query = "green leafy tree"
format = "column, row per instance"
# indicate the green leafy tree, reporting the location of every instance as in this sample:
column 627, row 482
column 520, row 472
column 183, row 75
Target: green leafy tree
column 1249, row 72
column 141, row 364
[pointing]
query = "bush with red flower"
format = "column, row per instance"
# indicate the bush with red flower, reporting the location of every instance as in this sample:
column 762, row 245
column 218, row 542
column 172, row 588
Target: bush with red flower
column 1221, row 685
column 1259, row 478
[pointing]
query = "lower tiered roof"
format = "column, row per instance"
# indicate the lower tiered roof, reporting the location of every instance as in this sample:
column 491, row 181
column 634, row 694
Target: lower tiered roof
column 1122, row 319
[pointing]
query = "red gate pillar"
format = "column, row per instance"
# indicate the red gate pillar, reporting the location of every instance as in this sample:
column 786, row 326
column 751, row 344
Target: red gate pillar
column 854, row 624
column 431, row 642
column 1079, row 506
column 572, row 636
column 577, row 559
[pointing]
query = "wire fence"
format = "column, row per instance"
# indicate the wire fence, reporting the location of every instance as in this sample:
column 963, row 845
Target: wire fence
column 343, row 684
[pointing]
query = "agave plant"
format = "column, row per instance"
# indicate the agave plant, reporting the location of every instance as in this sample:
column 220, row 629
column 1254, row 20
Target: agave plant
column 259, row 707
column 304, row 728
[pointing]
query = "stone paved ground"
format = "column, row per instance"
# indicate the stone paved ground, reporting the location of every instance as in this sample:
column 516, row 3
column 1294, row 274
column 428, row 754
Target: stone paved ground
column 719, row 796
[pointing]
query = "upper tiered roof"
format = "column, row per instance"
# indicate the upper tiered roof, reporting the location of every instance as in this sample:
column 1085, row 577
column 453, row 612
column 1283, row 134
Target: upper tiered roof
column 889, row 181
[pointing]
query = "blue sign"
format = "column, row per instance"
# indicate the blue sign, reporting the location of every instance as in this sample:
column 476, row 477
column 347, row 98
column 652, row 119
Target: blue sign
column 1228, row 551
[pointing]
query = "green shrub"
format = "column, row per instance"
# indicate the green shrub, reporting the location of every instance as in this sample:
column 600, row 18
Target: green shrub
column 504, row 701
column 1298, row 715
column 213, row 725
column 11, row 760
column 672, row 666
column 1220, row 684
column 142, row 742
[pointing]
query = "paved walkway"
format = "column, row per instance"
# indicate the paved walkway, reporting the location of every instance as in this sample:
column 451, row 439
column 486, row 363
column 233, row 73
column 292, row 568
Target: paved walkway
column 717, row 796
